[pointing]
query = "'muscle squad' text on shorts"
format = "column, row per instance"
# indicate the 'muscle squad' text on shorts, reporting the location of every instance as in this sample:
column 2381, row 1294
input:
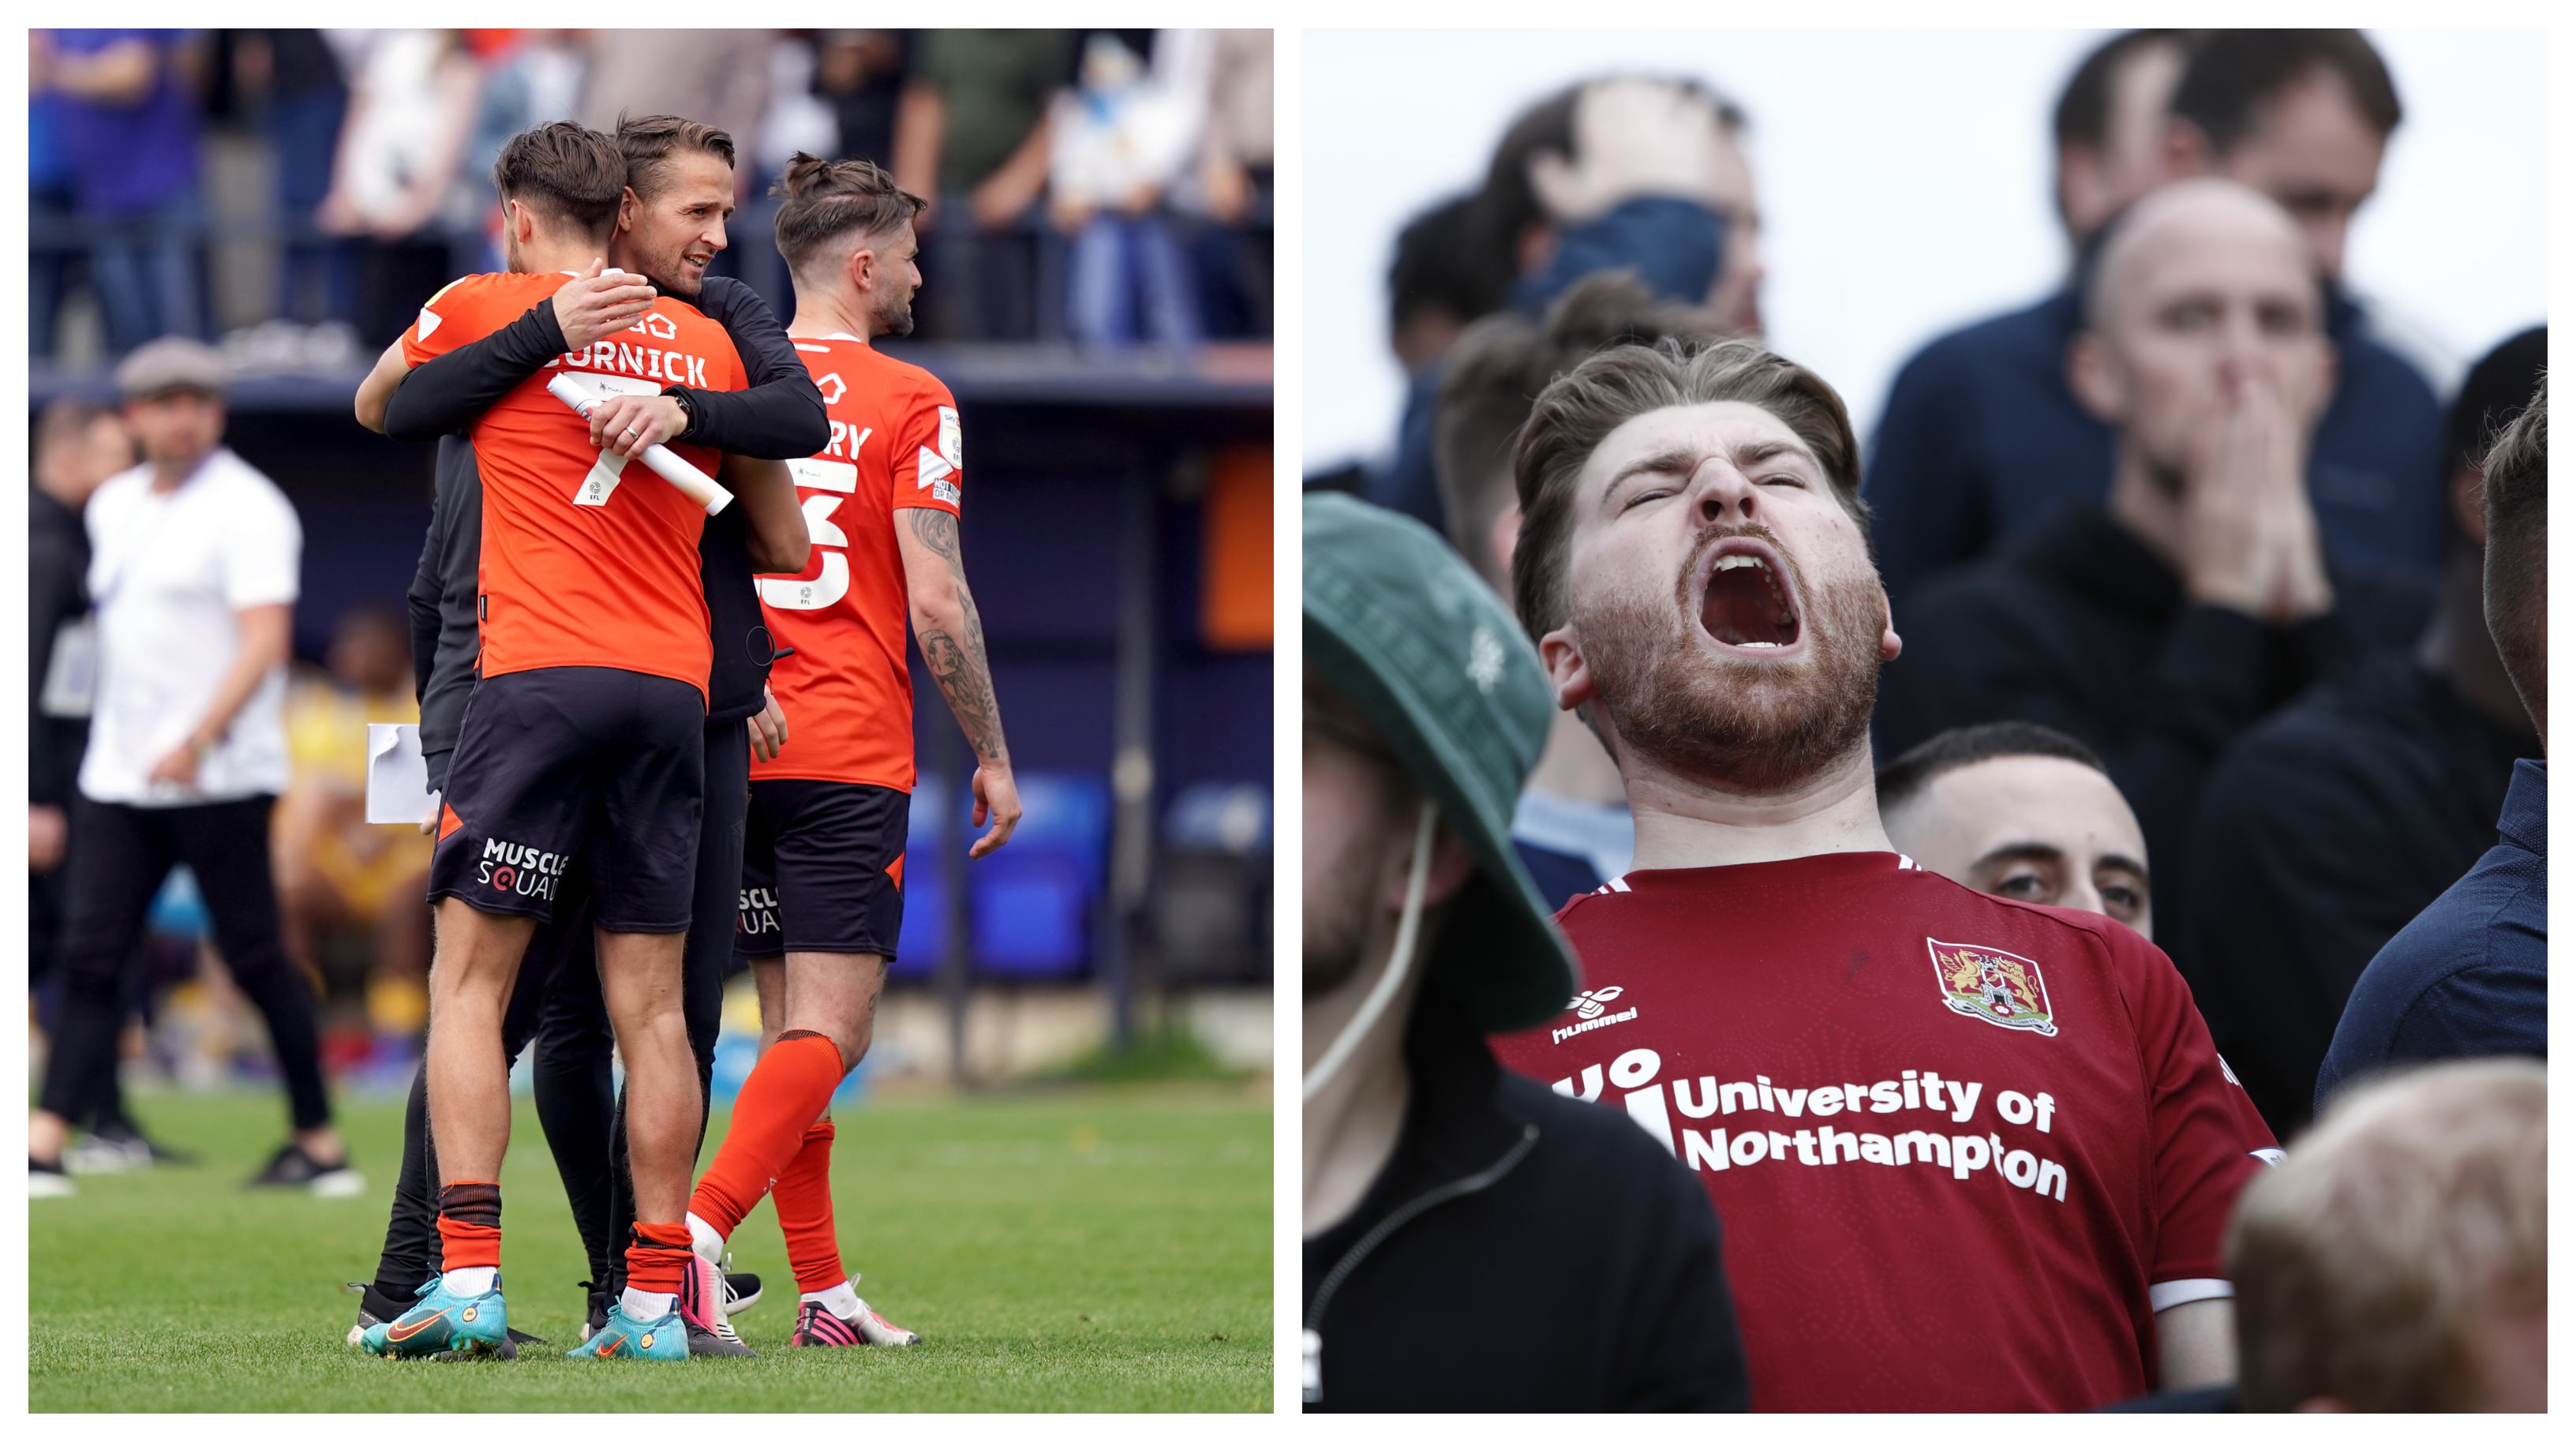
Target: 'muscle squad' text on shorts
column 562, row 761
column 822, row 868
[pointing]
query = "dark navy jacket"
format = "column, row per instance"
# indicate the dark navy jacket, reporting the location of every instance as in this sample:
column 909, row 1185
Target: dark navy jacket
column 1983, row 439
column 2322, row 833
column 2469, row 977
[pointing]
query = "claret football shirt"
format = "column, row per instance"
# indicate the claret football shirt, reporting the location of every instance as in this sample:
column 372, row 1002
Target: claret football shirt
column 588, row 560
column 1962, row 1148
column 847, row 690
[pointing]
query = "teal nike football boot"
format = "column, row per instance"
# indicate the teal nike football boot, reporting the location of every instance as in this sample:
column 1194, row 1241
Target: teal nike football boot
column 662, row 1339
column 446, row 1325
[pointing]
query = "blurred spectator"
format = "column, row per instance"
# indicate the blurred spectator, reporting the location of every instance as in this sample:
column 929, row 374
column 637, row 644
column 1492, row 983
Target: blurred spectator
column 1617, row 173
column 860, row 74
column 718, row 77
column 1982, row 439
column 193, row 571
column 411, row 114
column 2328, row 827
column 56, row 250
column 1571, row 824
column 2020, row 811
column 2398, row 1259
column 2470, row 976
column 971, row 134
column 797, row 121
column 1633, row 171
column 530, row 77
column 1433, row 290
column 2201, row 598
column 124, row 116
column 2110, row 127
column 293, row 80
column 78, row 446
column 1229, row 196
column 1422, row 936
column 335, row 872
column 1116, row 144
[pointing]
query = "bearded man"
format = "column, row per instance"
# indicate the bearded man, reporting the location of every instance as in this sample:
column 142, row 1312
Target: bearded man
column 2020, row 1199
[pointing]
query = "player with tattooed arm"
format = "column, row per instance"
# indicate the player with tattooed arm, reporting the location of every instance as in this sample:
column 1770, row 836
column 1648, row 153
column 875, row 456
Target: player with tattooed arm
column 823, row 856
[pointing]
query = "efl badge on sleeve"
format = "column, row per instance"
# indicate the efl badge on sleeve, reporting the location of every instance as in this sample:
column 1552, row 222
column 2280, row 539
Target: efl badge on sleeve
column 1992, row 986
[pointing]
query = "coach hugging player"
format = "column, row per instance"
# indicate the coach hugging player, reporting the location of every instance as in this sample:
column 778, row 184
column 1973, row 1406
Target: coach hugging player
column 612, row 642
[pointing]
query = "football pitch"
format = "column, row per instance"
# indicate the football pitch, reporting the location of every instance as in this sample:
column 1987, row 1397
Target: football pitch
column 1095, row 1249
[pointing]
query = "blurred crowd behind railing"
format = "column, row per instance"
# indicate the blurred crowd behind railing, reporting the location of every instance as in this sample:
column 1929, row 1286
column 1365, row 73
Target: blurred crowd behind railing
column 295, row 195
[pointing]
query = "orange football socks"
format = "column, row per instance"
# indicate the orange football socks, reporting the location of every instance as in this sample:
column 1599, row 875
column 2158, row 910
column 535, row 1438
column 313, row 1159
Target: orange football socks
column 469, row 1225
column 790, row 1087
column 803, row 1198
column 658, row 1257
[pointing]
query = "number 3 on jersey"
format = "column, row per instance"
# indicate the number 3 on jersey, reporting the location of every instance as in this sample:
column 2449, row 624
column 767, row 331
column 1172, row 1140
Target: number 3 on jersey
column 833, row 582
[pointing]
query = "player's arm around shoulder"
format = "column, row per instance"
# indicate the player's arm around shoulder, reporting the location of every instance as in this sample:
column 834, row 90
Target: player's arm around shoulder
column 780, row 412
column 780, row 543
column 377, row 391
column 951, row 634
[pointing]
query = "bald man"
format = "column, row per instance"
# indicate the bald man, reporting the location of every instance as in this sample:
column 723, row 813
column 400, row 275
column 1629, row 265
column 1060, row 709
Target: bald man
column 2199, row 597
column 1983, row 437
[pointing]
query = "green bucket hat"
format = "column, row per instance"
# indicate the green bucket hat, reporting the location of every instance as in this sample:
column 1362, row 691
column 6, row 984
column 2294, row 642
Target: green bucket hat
column 1424, row 647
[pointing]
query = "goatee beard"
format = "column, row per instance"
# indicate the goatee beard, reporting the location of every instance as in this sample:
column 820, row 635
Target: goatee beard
column 1757, row 727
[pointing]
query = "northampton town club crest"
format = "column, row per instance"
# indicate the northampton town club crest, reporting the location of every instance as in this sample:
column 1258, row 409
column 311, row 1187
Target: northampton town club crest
column 1992, row 986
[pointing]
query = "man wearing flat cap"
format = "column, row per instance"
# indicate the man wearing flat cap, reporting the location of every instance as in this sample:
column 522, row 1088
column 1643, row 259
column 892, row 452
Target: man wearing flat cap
column 193, row 569
column 1473, row 1241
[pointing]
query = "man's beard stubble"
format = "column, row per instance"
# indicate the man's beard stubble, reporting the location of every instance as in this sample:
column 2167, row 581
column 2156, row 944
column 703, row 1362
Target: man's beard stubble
column 1761, row 727
column 894, row 317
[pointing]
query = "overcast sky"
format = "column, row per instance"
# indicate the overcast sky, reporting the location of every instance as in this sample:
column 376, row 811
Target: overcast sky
column 1904, row 180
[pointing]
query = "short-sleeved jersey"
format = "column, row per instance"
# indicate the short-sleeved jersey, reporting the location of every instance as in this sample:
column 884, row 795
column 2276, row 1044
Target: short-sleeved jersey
column 587, row 560
column 847, row 690
column 1963, row 1148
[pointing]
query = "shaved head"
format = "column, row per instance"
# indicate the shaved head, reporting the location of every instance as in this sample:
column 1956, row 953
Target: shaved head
column 2186, row 219
column 2198, row 281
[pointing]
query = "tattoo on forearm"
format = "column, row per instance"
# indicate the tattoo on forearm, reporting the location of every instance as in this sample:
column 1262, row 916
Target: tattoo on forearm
column 938, row 530
column 961, row 667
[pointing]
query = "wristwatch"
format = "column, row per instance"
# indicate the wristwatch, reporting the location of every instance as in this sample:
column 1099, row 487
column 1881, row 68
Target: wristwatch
column 688, row 410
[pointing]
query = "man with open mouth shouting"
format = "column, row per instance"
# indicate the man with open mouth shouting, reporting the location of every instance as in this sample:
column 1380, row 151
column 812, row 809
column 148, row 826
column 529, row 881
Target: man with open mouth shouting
column 1970, row 1154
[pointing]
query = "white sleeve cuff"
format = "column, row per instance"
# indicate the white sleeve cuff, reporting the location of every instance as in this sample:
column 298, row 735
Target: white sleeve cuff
column 2196, row 1289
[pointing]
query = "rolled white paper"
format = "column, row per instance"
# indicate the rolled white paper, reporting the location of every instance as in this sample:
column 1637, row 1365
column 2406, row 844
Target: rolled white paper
column 696, row 484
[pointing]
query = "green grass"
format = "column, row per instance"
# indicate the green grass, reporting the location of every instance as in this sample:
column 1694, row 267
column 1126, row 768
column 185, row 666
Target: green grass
column 1171, row 1053
column 1097, row 1249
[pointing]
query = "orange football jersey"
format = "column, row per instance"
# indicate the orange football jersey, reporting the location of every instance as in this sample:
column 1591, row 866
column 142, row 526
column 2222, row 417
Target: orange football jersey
column 847, row 691
column 587, row 560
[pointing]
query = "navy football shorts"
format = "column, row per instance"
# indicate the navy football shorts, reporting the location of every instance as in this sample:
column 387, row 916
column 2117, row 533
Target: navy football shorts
column 568, row 761
column 822, row 869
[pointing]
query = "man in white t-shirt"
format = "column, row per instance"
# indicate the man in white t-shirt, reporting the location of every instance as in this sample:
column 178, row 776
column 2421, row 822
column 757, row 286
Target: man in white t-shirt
column 193, row 564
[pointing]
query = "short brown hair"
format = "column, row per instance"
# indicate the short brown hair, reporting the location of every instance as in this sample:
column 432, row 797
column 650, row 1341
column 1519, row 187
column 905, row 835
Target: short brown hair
column 830, row 199
column 2517, row 574
column 651, row 140
column 1496, row 371
column 565, row 172
column 2365, row 1261
column 1580, row 409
